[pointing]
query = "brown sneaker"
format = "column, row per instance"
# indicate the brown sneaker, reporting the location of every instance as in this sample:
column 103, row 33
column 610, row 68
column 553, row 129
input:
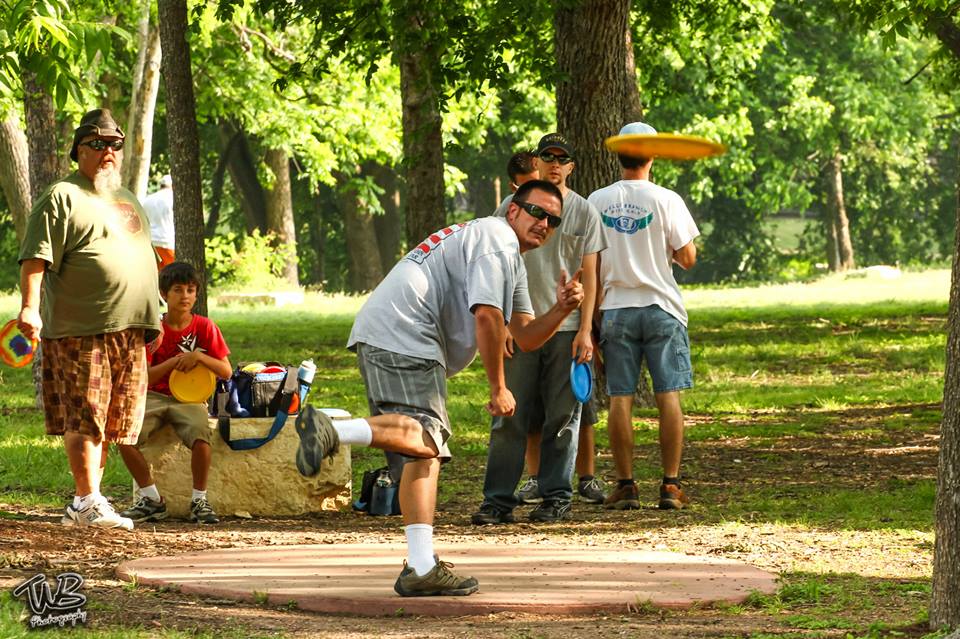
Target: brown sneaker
column 623, row 498
column 672, row 497
column 439, row 581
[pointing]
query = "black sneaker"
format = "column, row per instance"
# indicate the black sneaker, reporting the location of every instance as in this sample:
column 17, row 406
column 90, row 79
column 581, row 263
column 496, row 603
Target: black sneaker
column 439, row 581
column 549, row 511
column 318, row 440
column 146, row 509
column 202, row 513
column 490, row 514
column 529, row 492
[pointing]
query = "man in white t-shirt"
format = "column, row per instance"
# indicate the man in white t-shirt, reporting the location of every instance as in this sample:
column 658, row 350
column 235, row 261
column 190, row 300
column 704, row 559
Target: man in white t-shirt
column 648, row 228
column 159, row 209
column 454, row 294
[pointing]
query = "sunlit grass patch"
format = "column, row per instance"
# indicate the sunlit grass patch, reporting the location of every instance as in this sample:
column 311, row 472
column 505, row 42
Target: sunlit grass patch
column 892, row 505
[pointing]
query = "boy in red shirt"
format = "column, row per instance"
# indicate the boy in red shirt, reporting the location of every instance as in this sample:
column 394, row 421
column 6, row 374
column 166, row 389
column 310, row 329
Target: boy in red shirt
column 188, row 340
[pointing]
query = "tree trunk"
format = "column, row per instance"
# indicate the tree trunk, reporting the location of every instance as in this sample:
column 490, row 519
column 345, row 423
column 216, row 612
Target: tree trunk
column 596, row 97
column 136, row 166
column 64, row 163
column 41, row 135
column 243, row 174
column 389, row 225
column 633, row 108
column 837, row 214
column 945, row 595
column 422, row 139
column 833, row 253
column 44, row 168
column 318, row 236
column 365, row 269
column 280, row 212
column 15, row 172
column 143, row 33
column 184, row 142
column 216, row 187
column 591, row 101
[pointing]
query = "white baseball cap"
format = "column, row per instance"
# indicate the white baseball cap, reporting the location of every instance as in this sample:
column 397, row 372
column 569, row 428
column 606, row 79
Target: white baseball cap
column 638, row 128
column 166, row 180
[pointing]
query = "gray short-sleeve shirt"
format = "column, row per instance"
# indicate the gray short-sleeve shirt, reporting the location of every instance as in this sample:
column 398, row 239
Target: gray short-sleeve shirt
column 424, row 306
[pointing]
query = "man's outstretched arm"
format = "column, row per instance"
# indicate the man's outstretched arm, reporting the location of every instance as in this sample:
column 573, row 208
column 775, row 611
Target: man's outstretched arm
column 530, row 333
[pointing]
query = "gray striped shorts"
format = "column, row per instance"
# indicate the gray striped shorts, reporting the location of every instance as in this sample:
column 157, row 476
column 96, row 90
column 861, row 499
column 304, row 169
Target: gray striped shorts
column 409, row 386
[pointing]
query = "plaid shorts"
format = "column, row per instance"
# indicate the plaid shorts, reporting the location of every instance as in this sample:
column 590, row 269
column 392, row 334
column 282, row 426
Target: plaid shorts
column 95, row 385
column 409, row 386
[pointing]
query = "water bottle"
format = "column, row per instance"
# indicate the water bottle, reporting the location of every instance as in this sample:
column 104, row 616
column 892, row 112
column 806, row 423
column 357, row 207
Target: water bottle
column 306, row 372
column 384, row 494
column 305, row 378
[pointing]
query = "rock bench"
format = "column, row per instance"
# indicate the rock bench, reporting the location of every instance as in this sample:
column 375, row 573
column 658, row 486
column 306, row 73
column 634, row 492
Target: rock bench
column 263, row 482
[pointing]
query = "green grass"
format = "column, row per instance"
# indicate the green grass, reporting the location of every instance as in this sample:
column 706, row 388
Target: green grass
column 769, row 362
column 12, row 627
column 850, row 361
column 831, row 602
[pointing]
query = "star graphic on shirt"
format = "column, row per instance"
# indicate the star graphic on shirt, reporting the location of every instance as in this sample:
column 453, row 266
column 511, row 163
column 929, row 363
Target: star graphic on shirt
column 188, row 344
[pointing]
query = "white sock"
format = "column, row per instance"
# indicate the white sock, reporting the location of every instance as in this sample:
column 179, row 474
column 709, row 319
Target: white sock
column 355, row 432
column 420, row 548
column 199, row 494
column 81, row 502
column 150, row 492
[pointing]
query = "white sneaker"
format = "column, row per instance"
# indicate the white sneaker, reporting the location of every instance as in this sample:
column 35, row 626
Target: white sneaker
column 70, row 516
column 99, row 514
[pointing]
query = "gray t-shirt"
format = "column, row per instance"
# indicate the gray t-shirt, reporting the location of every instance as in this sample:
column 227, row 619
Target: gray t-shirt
column 580, row 233
column 424, row 306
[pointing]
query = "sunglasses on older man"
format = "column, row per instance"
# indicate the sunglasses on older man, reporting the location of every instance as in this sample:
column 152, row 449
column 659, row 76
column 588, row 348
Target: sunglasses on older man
column 553, row 221
column 100, row 145
column 548, row 157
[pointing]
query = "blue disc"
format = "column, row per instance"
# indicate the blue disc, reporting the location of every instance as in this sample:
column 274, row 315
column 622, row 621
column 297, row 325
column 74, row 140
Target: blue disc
column 581, row 380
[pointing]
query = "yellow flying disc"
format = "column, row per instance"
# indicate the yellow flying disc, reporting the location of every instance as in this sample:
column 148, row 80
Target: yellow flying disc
column 669, row 146
column 194, row 386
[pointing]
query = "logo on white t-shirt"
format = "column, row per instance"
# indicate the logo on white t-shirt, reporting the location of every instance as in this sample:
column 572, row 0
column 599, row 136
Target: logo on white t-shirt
column 627, row 224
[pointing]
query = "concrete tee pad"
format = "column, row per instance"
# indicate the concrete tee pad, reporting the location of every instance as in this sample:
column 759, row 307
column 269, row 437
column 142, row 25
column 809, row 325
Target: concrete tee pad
column 358, row 578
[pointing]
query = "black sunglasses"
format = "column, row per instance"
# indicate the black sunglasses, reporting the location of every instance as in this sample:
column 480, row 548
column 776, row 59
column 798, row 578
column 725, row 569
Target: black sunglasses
column 546, row 156
column 553, row 221
column 100, row 145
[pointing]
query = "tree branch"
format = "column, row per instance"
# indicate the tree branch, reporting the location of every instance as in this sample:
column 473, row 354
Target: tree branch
column 919, row 71
column 243, row 32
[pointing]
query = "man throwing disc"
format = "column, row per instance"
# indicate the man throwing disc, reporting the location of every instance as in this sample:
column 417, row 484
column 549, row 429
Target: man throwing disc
column 453, row 295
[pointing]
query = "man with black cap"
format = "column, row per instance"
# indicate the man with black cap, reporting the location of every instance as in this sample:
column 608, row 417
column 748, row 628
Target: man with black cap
column 540, row 379
column 87, row 248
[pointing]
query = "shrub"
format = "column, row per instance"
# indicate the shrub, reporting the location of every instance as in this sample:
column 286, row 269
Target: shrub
column 246, row 262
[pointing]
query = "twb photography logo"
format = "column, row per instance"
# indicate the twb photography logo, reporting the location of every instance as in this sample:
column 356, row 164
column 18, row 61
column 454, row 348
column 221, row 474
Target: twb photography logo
column 61, row 607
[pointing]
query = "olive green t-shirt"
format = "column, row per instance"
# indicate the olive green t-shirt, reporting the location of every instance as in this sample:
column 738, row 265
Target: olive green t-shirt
column 101, row 274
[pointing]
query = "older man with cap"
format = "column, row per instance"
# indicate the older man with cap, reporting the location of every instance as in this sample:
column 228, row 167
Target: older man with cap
column 649, row 229
column 87, row 248
column 159, row 209
column 540, row 379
